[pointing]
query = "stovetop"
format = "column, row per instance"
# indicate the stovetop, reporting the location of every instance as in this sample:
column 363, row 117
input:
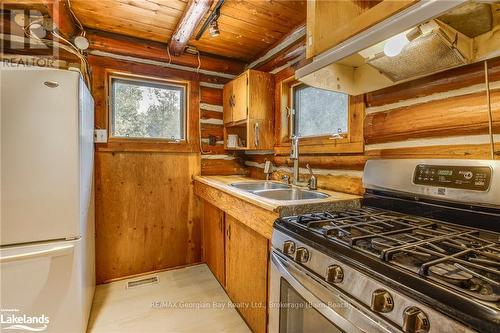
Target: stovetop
column 459, row 258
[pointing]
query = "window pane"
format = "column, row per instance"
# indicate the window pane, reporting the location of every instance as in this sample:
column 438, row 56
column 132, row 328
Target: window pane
column 319, row 112
column 147, row 110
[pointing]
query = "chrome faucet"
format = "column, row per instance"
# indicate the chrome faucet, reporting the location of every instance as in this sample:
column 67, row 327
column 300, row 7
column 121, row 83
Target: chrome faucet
column 313, row 181
column 294, row 155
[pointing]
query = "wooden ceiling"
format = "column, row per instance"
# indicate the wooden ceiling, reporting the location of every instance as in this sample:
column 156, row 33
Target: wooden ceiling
column 248, row 27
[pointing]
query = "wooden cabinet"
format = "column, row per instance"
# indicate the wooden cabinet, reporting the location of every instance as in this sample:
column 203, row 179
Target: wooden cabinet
column 329, row 23
column 246, row 272
column 248, row 103
column 238, row 256
column 213, row 240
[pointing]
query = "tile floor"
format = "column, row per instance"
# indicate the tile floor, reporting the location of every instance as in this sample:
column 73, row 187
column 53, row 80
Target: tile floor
column 185, row 300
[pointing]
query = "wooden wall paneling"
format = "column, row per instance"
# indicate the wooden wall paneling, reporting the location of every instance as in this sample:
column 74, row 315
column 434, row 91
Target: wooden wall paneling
column 147, row 217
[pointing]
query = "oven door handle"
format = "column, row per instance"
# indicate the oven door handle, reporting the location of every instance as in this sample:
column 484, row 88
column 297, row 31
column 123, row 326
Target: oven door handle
column 335, row 318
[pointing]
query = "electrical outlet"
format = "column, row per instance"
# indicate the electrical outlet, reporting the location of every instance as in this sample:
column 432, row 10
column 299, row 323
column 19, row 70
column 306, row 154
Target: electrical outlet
column 100, row 136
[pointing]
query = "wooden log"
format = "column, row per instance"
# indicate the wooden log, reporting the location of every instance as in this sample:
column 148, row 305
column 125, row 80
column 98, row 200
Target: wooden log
column 472, row 151
column 211, row 96
column 461, row 115
column 292, row 52
column 211, row 129
column 208, row 114
column 141, row 48
column 192, row 16
column 345, row 162
column 452, row 79
column 222, row 167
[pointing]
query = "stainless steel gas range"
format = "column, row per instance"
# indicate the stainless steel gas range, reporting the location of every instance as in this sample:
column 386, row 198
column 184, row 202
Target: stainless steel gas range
column 422, row 254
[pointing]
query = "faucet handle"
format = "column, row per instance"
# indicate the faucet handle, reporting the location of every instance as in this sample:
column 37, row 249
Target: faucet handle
column 286, row 179
column 313, row 181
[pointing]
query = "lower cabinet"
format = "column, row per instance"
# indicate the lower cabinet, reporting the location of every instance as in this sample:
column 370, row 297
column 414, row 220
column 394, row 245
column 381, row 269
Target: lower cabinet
column 246, row 272
column 238, row 256
column 213, row 240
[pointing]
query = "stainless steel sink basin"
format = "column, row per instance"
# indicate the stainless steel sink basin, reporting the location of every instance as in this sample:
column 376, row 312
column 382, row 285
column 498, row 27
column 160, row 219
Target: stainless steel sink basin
column 290, row 194
column 258, row 186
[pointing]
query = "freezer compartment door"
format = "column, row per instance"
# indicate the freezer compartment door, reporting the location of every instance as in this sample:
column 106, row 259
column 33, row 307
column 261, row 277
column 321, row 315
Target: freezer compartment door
column 43, row 287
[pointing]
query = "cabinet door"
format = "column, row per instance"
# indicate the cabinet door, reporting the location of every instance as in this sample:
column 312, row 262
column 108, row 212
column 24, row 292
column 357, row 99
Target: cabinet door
column 246, row 272
column 227, row 102
column 240, row 94
column 213, row 240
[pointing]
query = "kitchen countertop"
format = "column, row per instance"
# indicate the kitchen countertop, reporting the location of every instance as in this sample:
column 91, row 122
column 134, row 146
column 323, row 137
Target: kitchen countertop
column 335, row 201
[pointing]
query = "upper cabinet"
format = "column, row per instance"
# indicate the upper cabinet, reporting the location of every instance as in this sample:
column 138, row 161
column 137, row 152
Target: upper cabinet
column 249, row 111
column 331, row 22
column 361, row 46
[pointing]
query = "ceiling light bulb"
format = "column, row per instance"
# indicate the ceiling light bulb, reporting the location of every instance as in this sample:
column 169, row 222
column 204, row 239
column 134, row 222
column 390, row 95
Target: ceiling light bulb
column 82, row 42
column 395, row 45
column 213, row 30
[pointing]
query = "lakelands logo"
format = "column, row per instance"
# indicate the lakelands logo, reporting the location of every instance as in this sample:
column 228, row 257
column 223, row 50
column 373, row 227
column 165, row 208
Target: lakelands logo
column 13, row 319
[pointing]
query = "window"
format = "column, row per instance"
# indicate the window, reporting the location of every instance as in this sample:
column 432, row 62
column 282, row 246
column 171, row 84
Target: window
column 147, row 109
column 319, row 112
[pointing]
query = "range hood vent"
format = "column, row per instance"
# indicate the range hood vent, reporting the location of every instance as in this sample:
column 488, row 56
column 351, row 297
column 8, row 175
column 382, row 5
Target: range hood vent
column 429, row 53
column 426, row 38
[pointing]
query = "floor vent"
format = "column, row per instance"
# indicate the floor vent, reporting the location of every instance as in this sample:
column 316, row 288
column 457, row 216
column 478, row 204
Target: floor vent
column 142, row 282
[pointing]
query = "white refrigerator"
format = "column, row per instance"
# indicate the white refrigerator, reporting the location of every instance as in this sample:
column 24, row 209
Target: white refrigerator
column 47, row 272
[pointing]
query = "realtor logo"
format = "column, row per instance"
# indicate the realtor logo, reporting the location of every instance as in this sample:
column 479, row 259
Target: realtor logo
column 13, row 319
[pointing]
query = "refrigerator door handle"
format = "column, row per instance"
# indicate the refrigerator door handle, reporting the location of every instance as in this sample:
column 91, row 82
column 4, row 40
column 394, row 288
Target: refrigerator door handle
column 58, row 250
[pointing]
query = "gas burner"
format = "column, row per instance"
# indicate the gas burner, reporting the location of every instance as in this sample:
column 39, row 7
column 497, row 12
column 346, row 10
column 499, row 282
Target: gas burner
column 464, row 259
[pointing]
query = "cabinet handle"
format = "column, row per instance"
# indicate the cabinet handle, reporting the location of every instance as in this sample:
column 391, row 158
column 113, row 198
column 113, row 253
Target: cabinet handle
column 256, row 139
column 234, row 100
column 228, row 231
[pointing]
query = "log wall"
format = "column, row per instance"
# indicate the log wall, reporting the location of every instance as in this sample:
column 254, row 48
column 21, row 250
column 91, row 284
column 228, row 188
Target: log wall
column 440, row 116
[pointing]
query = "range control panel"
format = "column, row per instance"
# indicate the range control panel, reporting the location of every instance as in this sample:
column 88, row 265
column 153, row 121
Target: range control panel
column 476, row 178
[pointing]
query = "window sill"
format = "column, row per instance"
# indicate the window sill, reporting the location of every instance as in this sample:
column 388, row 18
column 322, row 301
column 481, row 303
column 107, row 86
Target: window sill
column 147, row 146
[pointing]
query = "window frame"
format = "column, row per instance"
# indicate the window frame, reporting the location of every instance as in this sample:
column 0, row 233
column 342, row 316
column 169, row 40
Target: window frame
column 351, row 142
column 153, row 82
column 293, row 89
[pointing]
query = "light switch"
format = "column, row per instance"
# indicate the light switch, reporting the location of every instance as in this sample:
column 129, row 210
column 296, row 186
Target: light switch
column 100, row 136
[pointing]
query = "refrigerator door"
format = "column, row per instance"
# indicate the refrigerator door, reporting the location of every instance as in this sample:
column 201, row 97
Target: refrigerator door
column 42, row 288
column 41, row 123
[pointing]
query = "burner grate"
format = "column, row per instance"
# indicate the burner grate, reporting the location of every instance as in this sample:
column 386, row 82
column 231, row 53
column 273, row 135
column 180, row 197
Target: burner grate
column 460, row 257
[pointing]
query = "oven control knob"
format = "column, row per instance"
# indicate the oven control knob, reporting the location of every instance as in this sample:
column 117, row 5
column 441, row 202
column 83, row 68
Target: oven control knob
column 301, row 255
column 334, row 274
column 382, row 301
column 289, row 247
column 415, row 321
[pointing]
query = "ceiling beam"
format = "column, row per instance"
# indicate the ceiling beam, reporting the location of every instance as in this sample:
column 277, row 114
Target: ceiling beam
column 192, row 16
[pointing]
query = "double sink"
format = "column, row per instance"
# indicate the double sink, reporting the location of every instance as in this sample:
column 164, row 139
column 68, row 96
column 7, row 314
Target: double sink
column 278, row 191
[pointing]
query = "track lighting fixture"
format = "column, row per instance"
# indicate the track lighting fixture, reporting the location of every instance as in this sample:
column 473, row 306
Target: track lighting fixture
column 213, row 30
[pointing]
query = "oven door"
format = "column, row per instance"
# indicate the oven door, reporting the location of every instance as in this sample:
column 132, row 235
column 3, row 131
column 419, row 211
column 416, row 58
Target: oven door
column 300, row 302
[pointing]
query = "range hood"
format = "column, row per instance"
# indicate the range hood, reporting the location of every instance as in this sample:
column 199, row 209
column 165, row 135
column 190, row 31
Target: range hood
column 426, row 38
